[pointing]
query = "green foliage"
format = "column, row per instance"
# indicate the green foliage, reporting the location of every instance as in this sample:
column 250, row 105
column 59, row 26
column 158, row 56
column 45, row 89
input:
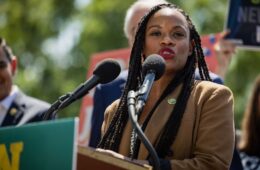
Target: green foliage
column 26, row 25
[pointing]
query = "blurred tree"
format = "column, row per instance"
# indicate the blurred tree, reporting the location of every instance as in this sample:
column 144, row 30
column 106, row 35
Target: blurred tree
column 102, row 23
column 26, row 25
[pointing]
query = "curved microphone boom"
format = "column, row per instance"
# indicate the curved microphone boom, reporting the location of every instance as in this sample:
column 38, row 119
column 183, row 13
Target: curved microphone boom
column 153, row 69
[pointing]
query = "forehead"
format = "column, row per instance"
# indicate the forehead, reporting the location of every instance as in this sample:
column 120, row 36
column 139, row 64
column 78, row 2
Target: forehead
column 171, row 16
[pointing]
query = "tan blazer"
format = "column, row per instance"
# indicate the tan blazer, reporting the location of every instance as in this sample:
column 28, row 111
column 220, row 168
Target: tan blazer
column 205, row 139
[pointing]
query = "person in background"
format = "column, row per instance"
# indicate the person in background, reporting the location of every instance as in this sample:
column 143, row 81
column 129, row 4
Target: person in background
column 184, row 119
column 14, row 104
column 249, row 142
column 105, row 94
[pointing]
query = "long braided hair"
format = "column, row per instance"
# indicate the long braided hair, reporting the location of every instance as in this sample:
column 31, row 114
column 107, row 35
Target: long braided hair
column 112, row 137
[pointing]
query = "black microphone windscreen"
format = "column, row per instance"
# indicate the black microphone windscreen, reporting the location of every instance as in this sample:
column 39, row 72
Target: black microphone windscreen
column 107, row 70
column 155, row 63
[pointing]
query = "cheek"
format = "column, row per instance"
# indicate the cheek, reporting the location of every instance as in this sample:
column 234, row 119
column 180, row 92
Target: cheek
column 183, row 52
column 185, row 47
column 150, row 47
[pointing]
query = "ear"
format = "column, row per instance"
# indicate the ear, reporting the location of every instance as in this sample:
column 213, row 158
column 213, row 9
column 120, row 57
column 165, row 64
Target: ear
column 13, row 65
column 191, row 46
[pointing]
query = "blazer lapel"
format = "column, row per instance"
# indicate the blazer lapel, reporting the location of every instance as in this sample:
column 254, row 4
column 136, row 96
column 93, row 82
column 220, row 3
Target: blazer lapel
column 158, row 120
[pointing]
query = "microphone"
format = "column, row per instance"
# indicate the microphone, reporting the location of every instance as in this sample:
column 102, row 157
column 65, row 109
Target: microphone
column 153, row 69
column 105, row 72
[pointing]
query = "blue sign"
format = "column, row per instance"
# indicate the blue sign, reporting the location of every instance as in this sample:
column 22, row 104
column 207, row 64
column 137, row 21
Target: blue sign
column 244, row 23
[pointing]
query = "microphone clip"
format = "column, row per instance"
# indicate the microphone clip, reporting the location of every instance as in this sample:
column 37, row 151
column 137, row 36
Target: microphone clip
column 51, row 112
column 131, row 102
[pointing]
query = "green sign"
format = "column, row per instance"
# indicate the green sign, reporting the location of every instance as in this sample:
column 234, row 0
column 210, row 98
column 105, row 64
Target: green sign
column 49, row 145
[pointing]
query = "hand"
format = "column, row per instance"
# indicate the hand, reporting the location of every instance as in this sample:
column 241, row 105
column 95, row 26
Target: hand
column 111, row 153
column 224, row 50
column 119, row 156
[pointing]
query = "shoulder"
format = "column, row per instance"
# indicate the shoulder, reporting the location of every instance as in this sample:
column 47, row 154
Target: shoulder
column 210, row 87
column 37, row 102
column 32, row 108
column 31, row 102
column 206, row 91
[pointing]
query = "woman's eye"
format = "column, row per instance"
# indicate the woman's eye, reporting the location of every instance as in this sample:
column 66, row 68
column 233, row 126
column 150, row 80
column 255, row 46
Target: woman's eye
column 178, row 34
column 155, row 33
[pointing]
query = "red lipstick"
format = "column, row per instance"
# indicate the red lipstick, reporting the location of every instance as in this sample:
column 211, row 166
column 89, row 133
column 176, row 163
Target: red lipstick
column 167, row 53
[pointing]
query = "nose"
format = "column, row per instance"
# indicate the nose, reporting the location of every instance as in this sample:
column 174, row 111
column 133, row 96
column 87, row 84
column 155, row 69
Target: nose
column 166, row 40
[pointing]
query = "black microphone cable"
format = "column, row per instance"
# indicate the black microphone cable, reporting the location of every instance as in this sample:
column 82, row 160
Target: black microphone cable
column 134, row 119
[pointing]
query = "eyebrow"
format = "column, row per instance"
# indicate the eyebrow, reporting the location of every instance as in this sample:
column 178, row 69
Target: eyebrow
column 175, row 27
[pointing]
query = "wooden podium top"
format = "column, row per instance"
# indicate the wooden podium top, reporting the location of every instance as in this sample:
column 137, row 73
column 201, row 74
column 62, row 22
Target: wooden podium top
column 88, row 158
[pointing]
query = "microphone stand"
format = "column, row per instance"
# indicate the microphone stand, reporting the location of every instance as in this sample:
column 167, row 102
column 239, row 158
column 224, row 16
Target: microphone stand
column 55, row 106
column 66, row 100
column 134, row 117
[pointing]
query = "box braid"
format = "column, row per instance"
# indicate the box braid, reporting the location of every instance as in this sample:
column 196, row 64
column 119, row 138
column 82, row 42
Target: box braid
column 111, row 139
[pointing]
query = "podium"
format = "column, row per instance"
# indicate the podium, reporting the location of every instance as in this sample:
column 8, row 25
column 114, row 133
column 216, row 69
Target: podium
column 52, row 145
column 88, row 158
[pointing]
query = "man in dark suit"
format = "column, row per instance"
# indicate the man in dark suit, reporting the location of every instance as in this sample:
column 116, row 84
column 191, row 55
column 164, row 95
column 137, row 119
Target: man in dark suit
column 15, row 106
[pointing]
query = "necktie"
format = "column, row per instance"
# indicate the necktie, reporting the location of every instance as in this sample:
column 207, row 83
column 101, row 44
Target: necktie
column 11, row 117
